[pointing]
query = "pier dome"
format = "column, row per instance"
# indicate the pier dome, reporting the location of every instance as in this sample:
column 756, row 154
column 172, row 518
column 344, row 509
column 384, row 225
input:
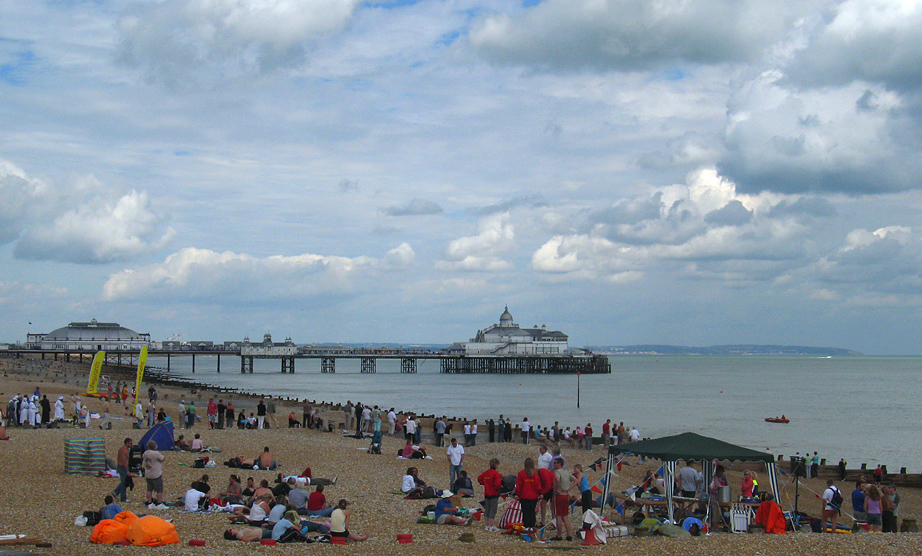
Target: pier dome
column 92, row 335
column 505, row 320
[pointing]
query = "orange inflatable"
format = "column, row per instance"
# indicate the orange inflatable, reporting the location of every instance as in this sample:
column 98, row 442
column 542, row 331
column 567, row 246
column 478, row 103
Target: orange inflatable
column 151, row 530
column 113, row 530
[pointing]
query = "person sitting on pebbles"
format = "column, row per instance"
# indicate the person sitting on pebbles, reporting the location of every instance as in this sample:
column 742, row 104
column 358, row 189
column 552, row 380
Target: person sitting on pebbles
column 339, row 523
column 255, row 514
column 265, row 460
column 446, row 514
column 246, row 534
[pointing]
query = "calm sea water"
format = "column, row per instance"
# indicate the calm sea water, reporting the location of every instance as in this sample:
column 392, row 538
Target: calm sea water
column 864, row 409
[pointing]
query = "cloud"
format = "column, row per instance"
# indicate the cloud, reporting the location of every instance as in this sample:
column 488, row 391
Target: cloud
column 21, row 198
column 400, row 256
column 831, row 140
column 416, row 207
column 483, row 251
column 178, row 40
column 206, row 275
column 531, row 201
column 97, row 232
column 704, row 222
column 873, row 41
column 625, row 35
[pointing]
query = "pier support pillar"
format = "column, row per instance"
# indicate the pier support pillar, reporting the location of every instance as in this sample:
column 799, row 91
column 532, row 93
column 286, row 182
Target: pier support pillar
column 193, row 363
column 369, row 364
column 288, row 365
column 327, row 365
column 219, row 363
column 246, row 365
column 408, row 365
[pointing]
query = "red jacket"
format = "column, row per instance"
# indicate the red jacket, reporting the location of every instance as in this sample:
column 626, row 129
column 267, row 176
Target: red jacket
column 547, row 480
column 492, row 481
column 528, row 488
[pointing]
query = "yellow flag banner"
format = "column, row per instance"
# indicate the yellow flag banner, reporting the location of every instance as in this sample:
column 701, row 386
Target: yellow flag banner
column 142, row 360
column 95, row 372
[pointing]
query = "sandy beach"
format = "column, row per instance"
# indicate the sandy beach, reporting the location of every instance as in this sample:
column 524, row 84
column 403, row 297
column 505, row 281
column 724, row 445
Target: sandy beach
column 39, row 499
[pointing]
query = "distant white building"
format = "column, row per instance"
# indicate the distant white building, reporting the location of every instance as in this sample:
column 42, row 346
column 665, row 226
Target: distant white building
column 507, row 338
column 90, row 336
column 268, row 348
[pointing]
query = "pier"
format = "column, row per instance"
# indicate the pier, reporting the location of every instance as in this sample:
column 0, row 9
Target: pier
column 409, row 360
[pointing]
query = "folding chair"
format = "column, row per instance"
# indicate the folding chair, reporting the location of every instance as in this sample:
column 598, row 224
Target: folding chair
column 740, row 517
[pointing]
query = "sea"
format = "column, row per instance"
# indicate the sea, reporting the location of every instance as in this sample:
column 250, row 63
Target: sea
column 862, row 409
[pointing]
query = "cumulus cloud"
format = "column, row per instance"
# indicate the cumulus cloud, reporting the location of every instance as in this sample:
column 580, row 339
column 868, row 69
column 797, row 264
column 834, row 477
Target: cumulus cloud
column 176, row 40
column 21, row 198
column 627, row 35
column 483, row 251
column 203, row 274
column 881, row 267
column 876, row 41
column 703, row 222
column 98, row 232
column 416, row 207
column 819, row 140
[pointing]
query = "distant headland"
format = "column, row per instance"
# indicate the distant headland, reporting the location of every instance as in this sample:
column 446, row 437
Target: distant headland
column 741, row 349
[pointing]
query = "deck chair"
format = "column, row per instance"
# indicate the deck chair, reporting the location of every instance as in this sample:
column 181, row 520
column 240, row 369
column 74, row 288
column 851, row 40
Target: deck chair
column 740, row 517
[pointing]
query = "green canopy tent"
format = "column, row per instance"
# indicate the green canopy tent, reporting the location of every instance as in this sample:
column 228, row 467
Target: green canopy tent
column 688, row 446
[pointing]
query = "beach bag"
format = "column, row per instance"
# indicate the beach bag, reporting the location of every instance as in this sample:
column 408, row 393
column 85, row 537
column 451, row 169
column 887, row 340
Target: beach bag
column 511, row 514
column 836, row 499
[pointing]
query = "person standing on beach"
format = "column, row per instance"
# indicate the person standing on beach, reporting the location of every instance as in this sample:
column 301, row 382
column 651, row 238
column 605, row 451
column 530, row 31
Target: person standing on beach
column 359, row 410
column 409, row 428
column 221, row 408
column 500, row 429
column 181, row 409
column 260, row 414
column 528, row 490
column 587, row 432
column 59, row 409
column 348, row 415
column 391, row 422
column 563, row 482
column 440, row 432
column 152, row 460
column 455, row 455
column 815, row 466
column 211, row 410
column 606, row 433
column 190, row 414
column 46, row 409
column 526, row 429
column 830, row 512
column 507, row 433
column 474, row 433
column 121, row 491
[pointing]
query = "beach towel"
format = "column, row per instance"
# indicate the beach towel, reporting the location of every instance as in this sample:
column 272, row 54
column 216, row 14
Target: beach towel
column 151, row 530
column 512, row 514
column 591, row 520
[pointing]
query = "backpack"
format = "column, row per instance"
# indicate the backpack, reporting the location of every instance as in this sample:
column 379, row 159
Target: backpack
column 836, row 499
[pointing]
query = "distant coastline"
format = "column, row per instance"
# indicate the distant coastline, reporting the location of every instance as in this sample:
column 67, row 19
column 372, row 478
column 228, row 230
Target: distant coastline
column 727, row 350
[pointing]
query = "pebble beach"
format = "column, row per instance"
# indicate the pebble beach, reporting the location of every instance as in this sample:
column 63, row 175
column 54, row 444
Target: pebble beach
column 39, row 499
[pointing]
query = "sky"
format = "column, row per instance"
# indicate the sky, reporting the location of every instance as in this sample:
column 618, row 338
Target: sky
column 690, row 173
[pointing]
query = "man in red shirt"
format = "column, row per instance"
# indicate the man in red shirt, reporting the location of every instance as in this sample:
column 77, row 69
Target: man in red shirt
column 212, row 413
column 317, row 504
column 606, row 433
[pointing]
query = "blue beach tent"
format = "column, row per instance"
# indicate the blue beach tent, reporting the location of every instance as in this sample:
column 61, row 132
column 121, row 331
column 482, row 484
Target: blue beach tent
column 162, row 434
